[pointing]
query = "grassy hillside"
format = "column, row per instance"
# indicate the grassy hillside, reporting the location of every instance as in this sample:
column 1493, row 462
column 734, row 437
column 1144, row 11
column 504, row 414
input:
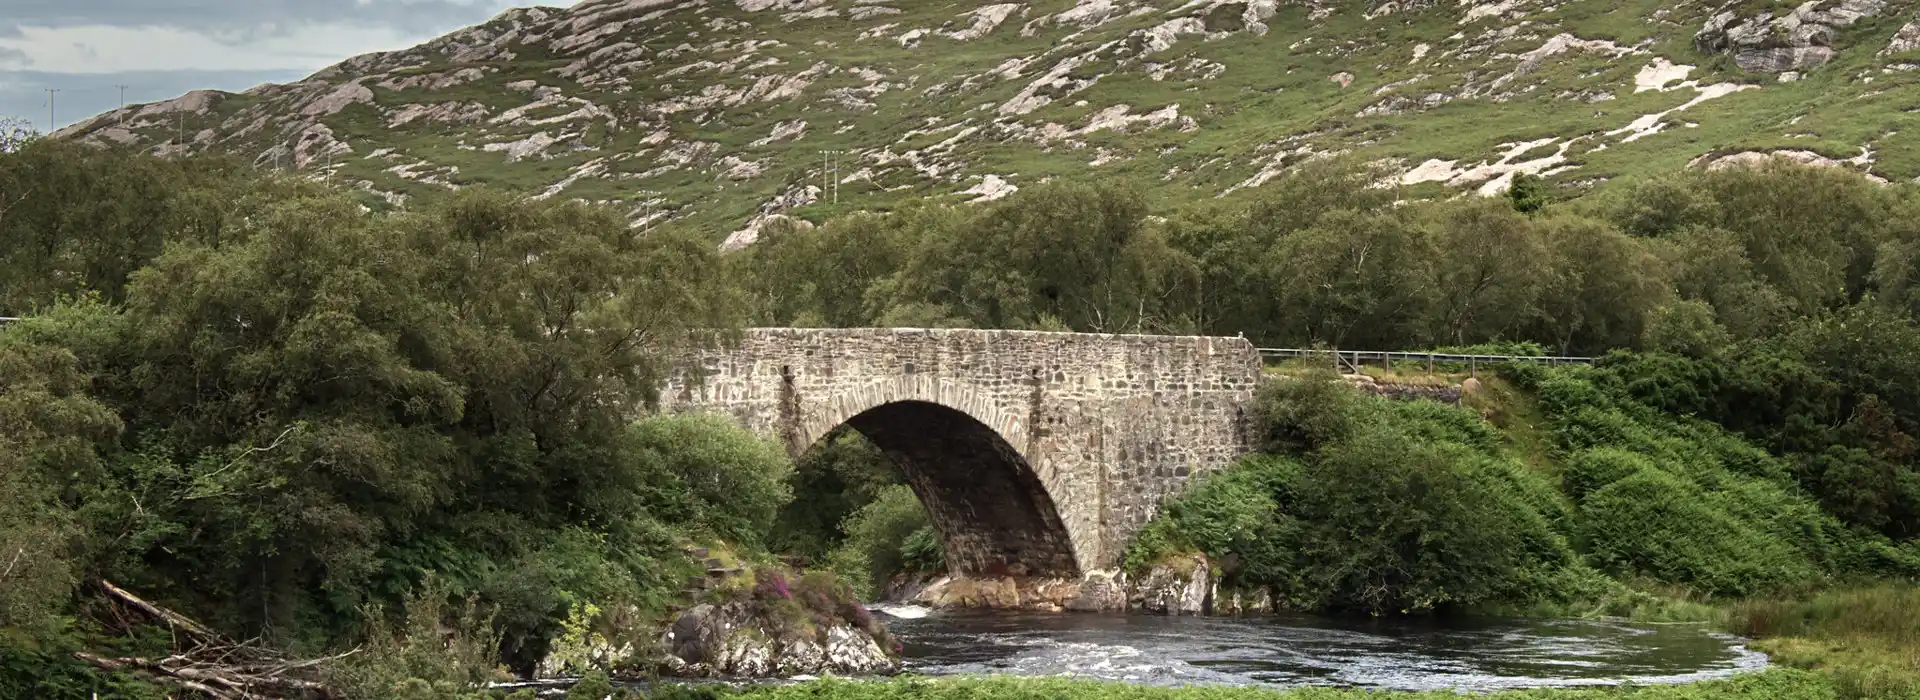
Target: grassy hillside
column 715, row 114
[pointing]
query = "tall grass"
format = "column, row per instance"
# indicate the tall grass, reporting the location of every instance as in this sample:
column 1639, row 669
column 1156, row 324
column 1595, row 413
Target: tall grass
column 1866, row 639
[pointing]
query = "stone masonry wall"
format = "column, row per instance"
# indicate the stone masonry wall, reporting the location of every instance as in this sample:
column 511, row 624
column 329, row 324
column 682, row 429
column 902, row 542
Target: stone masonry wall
column 1108, row 425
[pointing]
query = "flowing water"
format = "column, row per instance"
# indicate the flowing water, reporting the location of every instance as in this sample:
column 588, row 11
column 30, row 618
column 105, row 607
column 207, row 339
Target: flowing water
column 1483, row 654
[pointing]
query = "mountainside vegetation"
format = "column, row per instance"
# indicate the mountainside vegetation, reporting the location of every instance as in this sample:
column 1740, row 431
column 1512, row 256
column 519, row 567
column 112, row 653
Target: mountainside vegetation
column 722, row 115
column 422, row 430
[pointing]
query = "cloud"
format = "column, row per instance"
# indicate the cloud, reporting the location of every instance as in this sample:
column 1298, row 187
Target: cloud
column 106, row 36
column 245, row 18
column 110, row 49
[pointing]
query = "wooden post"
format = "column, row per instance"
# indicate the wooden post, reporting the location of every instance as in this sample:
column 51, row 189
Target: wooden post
column 1473, row 366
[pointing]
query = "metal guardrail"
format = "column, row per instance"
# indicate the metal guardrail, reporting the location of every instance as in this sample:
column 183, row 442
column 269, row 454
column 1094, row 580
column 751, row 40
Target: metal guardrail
column 1351, row 360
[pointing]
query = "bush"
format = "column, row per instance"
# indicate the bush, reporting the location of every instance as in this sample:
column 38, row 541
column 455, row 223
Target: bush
column 1295, row 416
column 1388, row 524
column 432, row 651
column 1231, row 516
column 1660, row 525
column 1596, row 469
column 718, row 476
column 877, row 535
column 1395, row 508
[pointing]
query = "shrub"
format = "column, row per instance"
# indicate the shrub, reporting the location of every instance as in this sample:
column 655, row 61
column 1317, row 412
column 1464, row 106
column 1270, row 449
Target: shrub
column 1233, row 517
column 432, row 645
column 1302, row 414
column 1598, row 468
column 1657, row 524
column 1391, row 524
column 593, row 686
column 721, row 478
column 876, row 535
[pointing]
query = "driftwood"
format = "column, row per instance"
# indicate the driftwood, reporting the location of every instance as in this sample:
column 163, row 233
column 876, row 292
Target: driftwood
column 213, row 665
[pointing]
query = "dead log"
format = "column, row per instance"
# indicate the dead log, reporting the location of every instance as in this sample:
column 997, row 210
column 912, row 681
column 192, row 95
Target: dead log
column 200, row 633
column 213, row 665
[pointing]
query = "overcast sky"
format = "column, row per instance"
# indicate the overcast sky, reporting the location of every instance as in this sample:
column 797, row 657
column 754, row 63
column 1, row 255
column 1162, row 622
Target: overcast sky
column 162, row 48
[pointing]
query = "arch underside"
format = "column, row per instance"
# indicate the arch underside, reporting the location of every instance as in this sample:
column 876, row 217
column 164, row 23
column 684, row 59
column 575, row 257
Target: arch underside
column 994, row 515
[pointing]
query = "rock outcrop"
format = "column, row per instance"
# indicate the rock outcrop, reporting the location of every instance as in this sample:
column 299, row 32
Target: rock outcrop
column 1799, row 40
column 738, row 640
column 1182, row 585
column 1187, row 584
column 1907, row 39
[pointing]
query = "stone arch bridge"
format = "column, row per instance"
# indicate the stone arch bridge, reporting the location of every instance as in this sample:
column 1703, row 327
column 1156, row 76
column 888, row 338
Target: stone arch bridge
column 1036, row 454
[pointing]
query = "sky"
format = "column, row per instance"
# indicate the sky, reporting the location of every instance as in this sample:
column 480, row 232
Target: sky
column 160, row 49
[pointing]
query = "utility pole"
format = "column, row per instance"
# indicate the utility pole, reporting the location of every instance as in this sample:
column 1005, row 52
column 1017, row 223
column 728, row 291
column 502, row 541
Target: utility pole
column 50, row 120
column 647, row 205
column 829, row 175
column 123, row 103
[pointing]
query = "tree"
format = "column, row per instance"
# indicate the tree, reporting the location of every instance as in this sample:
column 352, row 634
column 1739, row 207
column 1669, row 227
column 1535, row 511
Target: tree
column 15, row 133
column 1353, row 278
column 1601, row 286
column 1527, row 193
column 50, row 430
column 1082, row 254
column 1491, row 264
column 77, row 218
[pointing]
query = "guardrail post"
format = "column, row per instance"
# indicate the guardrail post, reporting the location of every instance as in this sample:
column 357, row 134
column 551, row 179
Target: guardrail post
column 1473, row 366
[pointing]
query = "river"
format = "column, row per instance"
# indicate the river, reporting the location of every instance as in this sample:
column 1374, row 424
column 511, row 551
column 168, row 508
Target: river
column 1471, row 655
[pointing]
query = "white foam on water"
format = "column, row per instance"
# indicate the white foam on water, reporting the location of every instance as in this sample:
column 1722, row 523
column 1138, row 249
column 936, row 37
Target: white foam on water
column 904, row 612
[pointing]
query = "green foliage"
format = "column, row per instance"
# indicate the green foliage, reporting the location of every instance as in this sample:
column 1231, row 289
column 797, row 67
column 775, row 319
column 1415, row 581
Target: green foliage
column 82, row 219
column 433, row 651
column 876, row 535
column 1527, row 193
column 719, row 478
column 1302, row 416
column 594, row 686
column 1392, row 508
column 1659, row 525
column 1393, row 523
column 50, row 434
column 1599, row 468
column 839, row 475
column 40, row 664
column 325, row 407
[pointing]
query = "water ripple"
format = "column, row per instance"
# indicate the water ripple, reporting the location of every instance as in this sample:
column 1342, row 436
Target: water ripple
column 1470, row 655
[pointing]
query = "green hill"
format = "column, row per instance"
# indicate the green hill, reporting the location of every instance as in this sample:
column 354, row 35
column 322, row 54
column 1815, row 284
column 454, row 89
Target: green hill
column 716, row 114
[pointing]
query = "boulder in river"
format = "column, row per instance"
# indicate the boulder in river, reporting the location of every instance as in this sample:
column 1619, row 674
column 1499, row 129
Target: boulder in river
column 1178, row 586
column 770, row 630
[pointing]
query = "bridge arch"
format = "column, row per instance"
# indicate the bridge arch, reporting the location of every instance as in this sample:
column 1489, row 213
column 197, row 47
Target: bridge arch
column 1086, row 434
column 967, row 459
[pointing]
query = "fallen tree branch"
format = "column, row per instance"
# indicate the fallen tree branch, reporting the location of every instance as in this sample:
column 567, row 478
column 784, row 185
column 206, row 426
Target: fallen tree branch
column 175, row 620
column 137, row 665
column 214, row 665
